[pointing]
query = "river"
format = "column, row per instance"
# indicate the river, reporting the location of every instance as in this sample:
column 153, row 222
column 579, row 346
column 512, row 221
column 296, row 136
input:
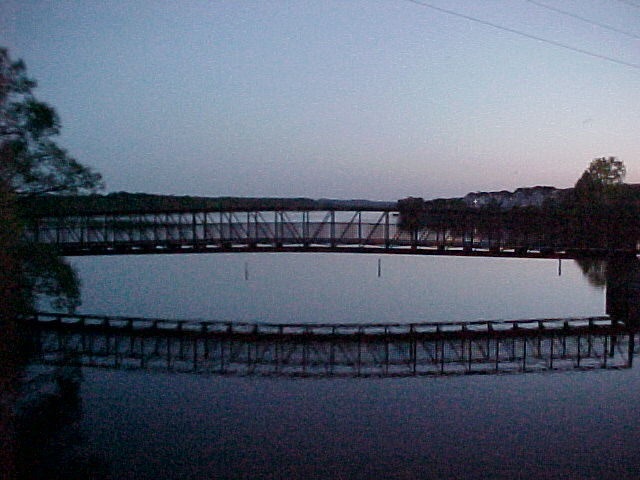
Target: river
column 145, row 424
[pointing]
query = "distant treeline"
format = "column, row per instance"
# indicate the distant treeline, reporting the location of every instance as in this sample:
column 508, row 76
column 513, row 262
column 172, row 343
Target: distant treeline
column 590, row 216
column 143, row 202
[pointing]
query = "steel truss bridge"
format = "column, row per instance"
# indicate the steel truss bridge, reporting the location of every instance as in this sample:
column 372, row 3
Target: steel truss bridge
column 354, row 231
column 334, row 350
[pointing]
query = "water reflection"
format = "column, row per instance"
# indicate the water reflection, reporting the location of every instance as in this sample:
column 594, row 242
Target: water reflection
column 595, row 270
column 579, row 345
column 129, row 415
column 341, row 288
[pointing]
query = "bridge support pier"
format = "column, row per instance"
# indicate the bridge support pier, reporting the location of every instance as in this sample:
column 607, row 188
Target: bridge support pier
column 623, row 289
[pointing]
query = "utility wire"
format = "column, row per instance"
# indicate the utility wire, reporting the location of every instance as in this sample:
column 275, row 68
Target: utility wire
column 526, row 35
column 630, row 3
column 569, row 14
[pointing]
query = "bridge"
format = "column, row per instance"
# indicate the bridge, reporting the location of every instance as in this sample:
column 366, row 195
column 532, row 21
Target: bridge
column 334, row 350
column 350, row 231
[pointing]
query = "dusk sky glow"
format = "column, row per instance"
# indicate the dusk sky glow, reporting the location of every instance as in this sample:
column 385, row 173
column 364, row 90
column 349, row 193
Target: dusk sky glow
column 376, row 99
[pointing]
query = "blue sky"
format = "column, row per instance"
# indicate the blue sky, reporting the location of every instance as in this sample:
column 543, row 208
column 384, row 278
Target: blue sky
column 377, row 99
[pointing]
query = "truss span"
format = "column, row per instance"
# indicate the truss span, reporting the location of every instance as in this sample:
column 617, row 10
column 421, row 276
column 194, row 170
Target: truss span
column 357, row 231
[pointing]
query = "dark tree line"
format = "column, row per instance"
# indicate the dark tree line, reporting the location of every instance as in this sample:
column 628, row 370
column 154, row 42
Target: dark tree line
column 600, row 213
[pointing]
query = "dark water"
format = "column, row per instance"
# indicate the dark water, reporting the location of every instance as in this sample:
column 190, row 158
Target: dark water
column 139, row 424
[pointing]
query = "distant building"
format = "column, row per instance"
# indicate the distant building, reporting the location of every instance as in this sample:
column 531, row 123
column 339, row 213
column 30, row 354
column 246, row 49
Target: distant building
column 522, row 197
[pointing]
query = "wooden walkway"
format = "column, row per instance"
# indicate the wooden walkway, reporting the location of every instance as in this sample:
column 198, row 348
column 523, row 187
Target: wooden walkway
column 320, row 350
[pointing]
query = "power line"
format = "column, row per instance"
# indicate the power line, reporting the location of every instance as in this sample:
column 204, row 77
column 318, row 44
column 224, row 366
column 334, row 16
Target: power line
column 573, row 15
column 527, row 35
column 630, row 3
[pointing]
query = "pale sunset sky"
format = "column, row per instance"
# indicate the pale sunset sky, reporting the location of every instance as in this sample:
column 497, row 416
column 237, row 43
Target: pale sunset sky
column 376, row 99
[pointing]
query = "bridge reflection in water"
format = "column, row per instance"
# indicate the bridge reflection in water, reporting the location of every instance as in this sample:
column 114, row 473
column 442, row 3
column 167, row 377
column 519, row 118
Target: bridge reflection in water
column 325, row 350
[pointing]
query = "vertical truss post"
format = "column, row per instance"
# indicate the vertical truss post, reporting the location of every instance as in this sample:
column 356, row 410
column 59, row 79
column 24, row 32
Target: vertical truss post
column 155, row 230
column 359, row 350
column 221, row 229
column 333, row 228
column 278, row 347
column 305, row 229
column 277, row 234
column 222, row 355
column 386, row 349
column 360, row 228
column 249, row 229
column 142, row 352
column 205, row 238
column 332, row 350
column 194, row 235
column 387, row 242
column 169, row 366
column 116, row 350
column 131, row 230
column 256, row 227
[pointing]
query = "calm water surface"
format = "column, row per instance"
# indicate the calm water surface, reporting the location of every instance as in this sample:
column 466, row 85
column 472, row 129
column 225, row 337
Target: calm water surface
column 334, row 288
column 136, row 424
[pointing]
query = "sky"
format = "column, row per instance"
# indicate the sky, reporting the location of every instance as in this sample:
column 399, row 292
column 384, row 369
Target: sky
column 375, row 99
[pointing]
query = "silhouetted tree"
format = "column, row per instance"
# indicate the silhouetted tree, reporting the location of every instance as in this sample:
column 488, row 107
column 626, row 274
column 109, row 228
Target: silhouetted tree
column 605, row 208
column 412, row 216
column 31, row 163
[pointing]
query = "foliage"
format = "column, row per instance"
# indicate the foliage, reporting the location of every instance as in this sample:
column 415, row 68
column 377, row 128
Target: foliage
column 607, row 170
column 599, row 181
column 31, row 163
column 412, row 212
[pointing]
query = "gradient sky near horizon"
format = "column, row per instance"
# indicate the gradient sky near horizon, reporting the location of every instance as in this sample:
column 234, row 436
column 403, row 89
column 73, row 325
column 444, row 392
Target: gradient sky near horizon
column 377, row 99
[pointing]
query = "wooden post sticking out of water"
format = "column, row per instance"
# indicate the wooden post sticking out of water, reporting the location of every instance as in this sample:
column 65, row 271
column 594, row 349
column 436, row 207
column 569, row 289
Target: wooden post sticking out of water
column 379, row 267
column 559, row 267
column 246, row 270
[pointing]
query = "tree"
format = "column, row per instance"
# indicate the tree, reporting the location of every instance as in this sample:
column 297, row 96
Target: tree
column 604, row 210
column 412, row 216
column 607, row 170
column 600, row 180
column 31, row 163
